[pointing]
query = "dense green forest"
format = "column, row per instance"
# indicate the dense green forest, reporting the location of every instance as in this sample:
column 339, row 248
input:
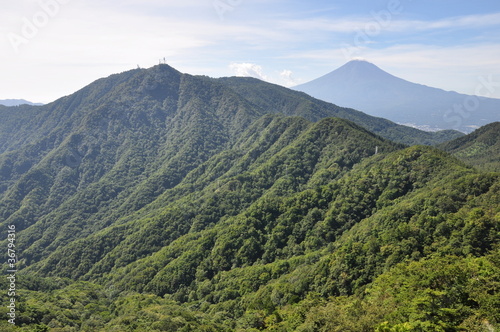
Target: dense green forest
column 480, row 149
column 158, row 201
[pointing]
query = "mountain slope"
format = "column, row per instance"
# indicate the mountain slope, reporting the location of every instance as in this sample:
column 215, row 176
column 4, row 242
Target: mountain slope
column 261, row 163
column 376, row 198
column 364, row 86
column 151, row 104
column 128, row 147
column 155, row 200
column 281, row 256
column 480, row 148
column 274, row 98
column 122, row 142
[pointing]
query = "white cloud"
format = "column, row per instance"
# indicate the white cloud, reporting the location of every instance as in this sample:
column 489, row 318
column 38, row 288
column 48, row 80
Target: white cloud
column 388, row 23
column 86, row 41
column 248, row 70
column 287, row 78
column 90, row 39
column 470, row 21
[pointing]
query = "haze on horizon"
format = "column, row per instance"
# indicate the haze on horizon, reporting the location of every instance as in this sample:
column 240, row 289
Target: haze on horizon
column 51, row 48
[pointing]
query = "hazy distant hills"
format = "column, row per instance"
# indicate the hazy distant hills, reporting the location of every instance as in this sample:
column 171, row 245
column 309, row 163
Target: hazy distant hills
column 363, row 86
column 480, row 148
column 17, row 102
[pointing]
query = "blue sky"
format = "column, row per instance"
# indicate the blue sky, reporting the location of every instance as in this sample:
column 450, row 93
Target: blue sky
column 51, row 48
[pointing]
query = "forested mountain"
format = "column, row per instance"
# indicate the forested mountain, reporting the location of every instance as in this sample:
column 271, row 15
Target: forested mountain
column 276, row 98
column 158, row 201
column 480, row 148
column 145, row 88
column 365, row 87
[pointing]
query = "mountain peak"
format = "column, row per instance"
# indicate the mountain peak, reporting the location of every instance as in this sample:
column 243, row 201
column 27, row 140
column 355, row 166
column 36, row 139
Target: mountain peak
column 362, row 85
column 351, row 73
column 359, row 69
column 359, row 63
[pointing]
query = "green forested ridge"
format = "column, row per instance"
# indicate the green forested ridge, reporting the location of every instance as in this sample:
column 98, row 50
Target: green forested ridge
column 480, row 148
column 289, row 102
column 157, row 201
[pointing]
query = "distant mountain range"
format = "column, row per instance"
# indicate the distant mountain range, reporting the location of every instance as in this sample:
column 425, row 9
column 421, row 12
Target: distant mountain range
column 17, row 102
column 365, row 87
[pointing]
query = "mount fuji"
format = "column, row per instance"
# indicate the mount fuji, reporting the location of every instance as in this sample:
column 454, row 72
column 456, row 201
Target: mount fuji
column 364, row 86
